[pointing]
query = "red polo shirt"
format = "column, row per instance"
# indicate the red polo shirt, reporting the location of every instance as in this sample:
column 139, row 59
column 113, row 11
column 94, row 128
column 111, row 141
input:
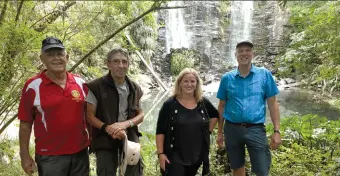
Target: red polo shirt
column 58, row 114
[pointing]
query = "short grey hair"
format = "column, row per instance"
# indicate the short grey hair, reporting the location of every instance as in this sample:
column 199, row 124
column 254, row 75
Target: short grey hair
column 118, row 50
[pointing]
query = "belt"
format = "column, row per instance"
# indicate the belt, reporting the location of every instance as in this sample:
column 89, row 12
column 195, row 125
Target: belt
column 245, row 125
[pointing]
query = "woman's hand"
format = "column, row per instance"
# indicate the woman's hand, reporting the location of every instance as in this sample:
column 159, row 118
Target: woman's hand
column 163, row 159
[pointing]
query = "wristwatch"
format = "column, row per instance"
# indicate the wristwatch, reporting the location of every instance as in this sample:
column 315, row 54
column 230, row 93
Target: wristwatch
column 277, row 131
column 131, row 123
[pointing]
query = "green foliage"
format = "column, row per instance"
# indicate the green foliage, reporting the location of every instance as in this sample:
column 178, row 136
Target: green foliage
column 311, row 144
column 313, row 53
column 182, row 60
column 9, row 158
column 219, row 164
column 150, row 160
column 144, row 36
column 224, row 10
column 80, row 25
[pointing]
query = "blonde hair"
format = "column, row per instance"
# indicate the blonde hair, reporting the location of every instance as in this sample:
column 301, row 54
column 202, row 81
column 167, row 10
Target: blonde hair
column 198, row 93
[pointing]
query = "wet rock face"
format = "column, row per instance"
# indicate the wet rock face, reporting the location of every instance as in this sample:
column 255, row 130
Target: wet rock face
column 207, row 36
column 268, row 31
column 201, row 20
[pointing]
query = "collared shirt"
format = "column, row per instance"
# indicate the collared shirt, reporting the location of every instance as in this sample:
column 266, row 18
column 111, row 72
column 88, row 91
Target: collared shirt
column 57, row 113
column 246, row 97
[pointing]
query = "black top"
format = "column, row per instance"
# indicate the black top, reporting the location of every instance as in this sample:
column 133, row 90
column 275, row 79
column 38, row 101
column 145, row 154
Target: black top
column 189, row 141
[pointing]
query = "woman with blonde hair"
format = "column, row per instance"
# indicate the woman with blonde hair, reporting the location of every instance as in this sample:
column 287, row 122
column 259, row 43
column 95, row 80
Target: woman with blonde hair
column 184, row 125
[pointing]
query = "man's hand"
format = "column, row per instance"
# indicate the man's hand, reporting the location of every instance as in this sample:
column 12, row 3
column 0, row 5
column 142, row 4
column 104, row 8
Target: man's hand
column 28, row 164
column 275, row 141
column 116, row 127
column 219, row 139
column 120, row 135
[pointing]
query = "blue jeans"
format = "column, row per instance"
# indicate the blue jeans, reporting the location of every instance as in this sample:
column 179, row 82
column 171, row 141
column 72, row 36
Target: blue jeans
column 255, row 139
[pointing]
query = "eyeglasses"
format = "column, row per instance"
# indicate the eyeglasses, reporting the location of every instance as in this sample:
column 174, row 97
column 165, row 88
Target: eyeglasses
column 117, row 62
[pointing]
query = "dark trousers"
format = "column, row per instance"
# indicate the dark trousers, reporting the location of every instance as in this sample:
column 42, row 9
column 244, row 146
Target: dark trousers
column 107, row 164
column 63, row 165
column 176, row 169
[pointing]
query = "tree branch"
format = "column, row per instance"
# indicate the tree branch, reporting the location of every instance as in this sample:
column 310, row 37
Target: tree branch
column 175, row 7
column 2, row 129
column 7, row 104
column 3, row 11
column 18, row 13
column 49, row 18
column 76, row 31
column 42, row 18
column 9, row 110
column 155, row 6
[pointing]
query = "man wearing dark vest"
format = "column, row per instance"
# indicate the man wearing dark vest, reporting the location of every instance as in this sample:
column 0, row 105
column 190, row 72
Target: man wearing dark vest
column 113, row 110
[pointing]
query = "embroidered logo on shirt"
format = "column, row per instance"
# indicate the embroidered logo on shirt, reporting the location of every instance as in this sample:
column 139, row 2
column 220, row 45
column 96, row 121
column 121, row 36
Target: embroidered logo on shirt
column 75, row 95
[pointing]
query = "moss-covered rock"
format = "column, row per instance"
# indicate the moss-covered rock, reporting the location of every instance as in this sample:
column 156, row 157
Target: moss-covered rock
column 183, row 57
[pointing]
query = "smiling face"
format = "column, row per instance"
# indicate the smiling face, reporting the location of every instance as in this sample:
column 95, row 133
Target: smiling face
column 118, row 64
column 244, row 54
column 188, row 84
column 55, row 60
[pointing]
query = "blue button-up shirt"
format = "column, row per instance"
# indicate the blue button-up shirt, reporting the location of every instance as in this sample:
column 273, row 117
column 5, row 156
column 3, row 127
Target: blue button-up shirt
column 246, row 97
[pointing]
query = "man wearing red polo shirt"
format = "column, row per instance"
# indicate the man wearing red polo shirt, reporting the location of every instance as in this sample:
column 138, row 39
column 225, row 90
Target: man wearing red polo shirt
column 53, row 101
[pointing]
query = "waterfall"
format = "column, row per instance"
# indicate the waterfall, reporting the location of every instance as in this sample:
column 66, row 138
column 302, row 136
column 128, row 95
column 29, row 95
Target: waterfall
column 240, row 28
column 176, row 34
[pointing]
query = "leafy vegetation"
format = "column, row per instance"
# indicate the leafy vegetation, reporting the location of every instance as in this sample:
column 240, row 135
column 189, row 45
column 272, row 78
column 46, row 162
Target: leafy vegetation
column 224, row 10
column 311, row 146
column 310, row 143
column 313, row 54
column 85, row 27
column 182, row 58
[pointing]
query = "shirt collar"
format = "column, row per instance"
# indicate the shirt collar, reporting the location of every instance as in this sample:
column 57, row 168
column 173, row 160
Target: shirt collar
column 47, row 80
column 253, row 70
column 109, row 80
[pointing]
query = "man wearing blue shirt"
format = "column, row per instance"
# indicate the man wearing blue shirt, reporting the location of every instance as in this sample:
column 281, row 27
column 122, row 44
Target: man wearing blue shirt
column 243, row 93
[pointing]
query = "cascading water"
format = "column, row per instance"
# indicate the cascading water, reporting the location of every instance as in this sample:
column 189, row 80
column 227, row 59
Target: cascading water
column 176, row 34
column 240, row 28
